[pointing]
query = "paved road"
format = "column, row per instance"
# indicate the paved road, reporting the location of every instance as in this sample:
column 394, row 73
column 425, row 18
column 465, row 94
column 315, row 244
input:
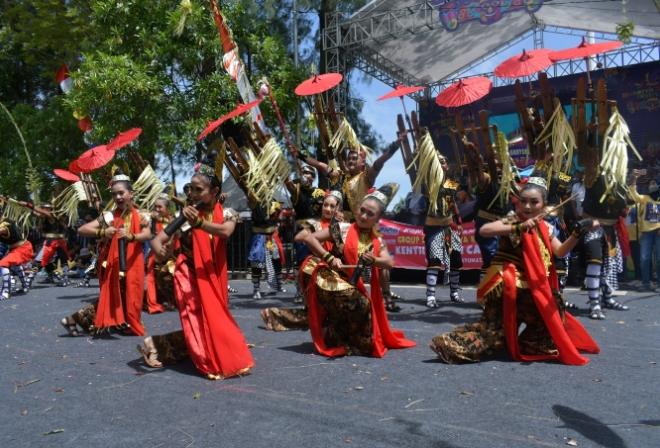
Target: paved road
column 71, row 392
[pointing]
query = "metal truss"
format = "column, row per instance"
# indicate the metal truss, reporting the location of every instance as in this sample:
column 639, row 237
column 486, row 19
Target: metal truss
column 357, row 39
column 649, row 52
column 596, row 34
column 377, row 28
column 345, row 39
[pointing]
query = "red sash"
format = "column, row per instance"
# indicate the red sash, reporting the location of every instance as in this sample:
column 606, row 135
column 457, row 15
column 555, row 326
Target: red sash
column 151, row 294
column 280, row 247
column 325, row 224
column 112, row 310
column 383, row 336
column 227, row 351
column 569, row 336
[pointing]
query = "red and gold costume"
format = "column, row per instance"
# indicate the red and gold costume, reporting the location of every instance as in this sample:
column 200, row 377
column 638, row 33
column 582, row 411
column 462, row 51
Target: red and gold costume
column 120, row 305
column 345, row 319
column 520, row 286
column 214, row 341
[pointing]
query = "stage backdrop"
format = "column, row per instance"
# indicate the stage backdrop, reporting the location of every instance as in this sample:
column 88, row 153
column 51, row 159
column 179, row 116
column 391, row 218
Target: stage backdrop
column 406, row 244
column 636, row 89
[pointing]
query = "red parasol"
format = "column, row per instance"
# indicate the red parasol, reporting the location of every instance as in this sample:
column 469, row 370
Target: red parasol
column 524, row 64
column 93, row 159
column 239, row 110
column 66, row 175
column 74, row 168
column 465, row 91
column 401, row 91
column 584, row 50
column 124, row 138
column 318, row 84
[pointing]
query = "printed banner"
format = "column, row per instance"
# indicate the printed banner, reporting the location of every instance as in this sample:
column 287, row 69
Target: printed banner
column 455, row 12
column 406, row 244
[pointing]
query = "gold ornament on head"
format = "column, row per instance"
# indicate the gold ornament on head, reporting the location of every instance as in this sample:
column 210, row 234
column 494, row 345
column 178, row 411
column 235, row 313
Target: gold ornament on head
column 537, row 181
column 384, row 194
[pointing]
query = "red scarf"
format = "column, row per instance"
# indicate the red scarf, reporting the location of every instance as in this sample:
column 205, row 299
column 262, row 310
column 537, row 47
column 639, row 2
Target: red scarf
column 113, row 309
column 228, row 353
column 280, row 247
column 383, row 336
column 569, row 336
column 325, row 224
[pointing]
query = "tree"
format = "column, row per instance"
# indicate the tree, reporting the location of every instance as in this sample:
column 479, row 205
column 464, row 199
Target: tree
column 153, row 65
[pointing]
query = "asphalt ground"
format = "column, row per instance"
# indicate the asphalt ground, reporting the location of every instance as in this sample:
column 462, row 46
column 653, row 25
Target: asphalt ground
column 59, row 391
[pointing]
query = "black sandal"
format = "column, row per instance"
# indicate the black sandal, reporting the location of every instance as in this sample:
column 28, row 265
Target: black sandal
column 612, row 304
column 390, row 304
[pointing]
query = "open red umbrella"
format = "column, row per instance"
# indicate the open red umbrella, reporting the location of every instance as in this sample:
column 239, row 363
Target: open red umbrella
column 584, row 50
column 318, row 84
column 93, row 159
column 465, row 91
column 524, row 64
column 239, row 110
column 74, row 168
column 400, row 91
column 124, row 138
column 66, row 175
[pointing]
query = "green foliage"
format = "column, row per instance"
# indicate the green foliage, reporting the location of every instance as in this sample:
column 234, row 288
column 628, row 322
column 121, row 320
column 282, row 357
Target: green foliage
column 152, row 64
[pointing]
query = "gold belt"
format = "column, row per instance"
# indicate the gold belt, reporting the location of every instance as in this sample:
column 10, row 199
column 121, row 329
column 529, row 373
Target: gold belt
column 437, row 221
column 605, row 221
column 265, row 230
column 54, row 236
column 17, row 244
column 489, row 216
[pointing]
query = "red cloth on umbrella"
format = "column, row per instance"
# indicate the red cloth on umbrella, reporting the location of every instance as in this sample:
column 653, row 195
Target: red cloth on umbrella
column 318, row 84
column 524, row 64
column 93, row 159
column 584, row 50
column 464, row 92
column 66, row 175
column 401, row 90
column 124, row 138
column 239, row 110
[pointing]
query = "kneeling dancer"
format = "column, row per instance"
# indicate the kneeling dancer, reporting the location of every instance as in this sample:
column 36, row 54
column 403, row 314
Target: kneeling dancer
column 521, row 286
column 343, row 317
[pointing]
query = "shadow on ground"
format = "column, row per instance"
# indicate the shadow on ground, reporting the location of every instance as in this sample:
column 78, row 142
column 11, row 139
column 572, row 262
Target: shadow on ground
column 594, row 430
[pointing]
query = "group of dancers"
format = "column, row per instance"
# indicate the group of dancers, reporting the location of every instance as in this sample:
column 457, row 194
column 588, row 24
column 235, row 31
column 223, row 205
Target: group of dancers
column 343, row 288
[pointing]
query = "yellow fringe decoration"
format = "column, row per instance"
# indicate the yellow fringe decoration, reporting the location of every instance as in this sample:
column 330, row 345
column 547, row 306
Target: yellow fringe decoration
column 346, row 136
column 147, row 188
column 266, row 172
column 17, row 212
column 507, row 178
column 562, row 140
column 66, row 203
column 429, row 172
column 614, row 164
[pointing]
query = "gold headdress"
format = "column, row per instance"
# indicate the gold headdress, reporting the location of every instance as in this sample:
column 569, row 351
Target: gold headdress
column 384, row 194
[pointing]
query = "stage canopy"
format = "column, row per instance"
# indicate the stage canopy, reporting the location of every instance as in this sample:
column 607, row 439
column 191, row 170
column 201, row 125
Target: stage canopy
column 415, row 42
